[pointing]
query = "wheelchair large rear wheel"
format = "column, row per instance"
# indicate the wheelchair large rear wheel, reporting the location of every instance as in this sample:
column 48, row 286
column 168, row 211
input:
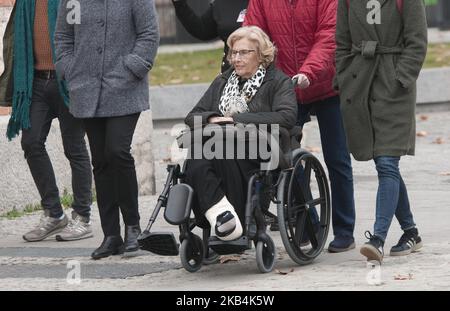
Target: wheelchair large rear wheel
column 304, row 209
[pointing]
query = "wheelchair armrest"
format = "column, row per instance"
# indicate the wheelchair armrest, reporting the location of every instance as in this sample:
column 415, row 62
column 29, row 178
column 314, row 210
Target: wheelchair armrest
column 288, row 139
column 296, row 134
column 183, row 139
column 187, row 137
column 291, row 140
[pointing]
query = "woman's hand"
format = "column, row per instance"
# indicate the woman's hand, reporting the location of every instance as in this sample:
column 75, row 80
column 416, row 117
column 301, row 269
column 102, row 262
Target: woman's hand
column 219, row 120
column 302, row 81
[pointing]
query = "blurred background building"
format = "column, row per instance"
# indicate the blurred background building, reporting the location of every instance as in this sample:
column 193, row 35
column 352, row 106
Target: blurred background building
column 172, row 32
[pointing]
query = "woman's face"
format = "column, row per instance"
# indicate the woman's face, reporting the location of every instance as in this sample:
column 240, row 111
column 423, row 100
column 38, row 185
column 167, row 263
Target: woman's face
column 244, row 58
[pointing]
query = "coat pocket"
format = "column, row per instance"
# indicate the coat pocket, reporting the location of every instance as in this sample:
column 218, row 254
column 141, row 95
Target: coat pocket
column 397, row 88
column 69, row 69
column 121, row 77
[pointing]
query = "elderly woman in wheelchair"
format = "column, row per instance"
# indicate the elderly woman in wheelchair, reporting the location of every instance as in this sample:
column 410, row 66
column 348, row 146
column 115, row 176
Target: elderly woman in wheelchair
column 230, row 197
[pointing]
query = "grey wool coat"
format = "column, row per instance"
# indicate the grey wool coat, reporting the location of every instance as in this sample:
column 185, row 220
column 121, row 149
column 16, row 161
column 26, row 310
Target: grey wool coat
column 106, row 57
column 377, row 67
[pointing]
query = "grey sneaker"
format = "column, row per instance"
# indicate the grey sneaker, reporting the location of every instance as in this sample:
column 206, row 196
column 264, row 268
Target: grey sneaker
column 47, row 227
column 79, row 228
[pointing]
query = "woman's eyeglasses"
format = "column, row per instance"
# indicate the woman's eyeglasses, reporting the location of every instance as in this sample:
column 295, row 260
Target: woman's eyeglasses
column 242, row 53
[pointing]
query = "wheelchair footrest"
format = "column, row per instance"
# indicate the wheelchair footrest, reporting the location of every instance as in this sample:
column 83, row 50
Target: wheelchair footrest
column 161, row 243
column 229, row 247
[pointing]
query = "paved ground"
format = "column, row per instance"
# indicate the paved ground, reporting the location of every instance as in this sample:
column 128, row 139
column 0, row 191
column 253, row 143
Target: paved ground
column 44, row 265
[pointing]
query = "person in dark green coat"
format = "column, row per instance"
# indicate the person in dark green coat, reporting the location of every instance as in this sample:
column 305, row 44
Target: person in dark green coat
column 381, row 47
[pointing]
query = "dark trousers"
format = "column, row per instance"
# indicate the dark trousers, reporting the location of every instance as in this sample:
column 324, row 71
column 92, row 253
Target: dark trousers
column 337, row 159
column 47, row 104
column 214, row 179
column 114, row 170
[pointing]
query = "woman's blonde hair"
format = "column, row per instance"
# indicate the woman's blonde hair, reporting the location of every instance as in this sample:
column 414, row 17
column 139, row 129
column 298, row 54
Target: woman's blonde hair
column 265, row 48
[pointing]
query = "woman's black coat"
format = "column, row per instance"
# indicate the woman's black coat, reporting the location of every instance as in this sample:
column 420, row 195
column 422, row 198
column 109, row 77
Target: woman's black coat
column 274, row 103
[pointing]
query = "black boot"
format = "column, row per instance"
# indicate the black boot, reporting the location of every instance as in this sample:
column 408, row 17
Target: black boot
column 131, row 235
column 111, row 245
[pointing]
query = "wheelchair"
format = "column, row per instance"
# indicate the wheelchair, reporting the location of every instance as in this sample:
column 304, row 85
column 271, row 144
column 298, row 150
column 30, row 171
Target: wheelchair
column 298, row 187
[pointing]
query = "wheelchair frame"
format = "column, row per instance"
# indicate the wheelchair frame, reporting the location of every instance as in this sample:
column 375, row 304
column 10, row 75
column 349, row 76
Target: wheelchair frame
column 295, row 217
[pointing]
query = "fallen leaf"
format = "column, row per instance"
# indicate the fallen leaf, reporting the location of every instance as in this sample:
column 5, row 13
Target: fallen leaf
column 284, row 273
column 444, row 174
column 225, row 259
column 438, row 141
column 423, row 117
column 400, row 277
column 421, row 134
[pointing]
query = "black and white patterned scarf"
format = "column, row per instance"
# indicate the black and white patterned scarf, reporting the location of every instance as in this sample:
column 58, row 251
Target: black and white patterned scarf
column 235, row 101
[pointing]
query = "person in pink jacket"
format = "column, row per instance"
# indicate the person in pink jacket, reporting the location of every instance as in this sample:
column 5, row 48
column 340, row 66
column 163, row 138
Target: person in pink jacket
column 304, row 33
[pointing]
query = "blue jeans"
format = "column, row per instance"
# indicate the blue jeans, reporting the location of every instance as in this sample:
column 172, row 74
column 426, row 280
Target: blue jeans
column 392, row 197
column 337, row 159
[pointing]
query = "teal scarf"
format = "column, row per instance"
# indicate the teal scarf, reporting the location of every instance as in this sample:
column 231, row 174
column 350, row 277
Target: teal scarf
column 23, row 67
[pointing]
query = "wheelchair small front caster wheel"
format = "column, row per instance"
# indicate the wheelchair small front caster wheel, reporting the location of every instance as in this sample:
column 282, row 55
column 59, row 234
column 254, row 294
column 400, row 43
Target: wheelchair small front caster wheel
column 191, row 253
column 265, row 255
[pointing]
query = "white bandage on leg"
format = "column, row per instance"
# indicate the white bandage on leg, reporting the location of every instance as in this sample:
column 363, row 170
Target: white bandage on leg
column 224, row 220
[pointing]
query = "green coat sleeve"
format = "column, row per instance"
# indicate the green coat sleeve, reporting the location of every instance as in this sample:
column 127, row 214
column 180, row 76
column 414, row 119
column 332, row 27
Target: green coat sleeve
column 7, row 77
column 343, row 41
column 415, row 42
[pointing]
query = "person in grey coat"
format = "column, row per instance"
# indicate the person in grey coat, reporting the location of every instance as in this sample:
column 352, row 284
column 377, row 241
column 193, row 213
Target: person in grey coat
column 381, row 47
column 104, row 51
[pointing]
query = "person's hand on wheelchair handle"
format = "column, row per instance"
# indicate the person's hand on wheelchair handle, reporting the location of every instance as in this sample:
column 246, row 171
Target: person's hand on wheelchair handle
column 301, row 80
